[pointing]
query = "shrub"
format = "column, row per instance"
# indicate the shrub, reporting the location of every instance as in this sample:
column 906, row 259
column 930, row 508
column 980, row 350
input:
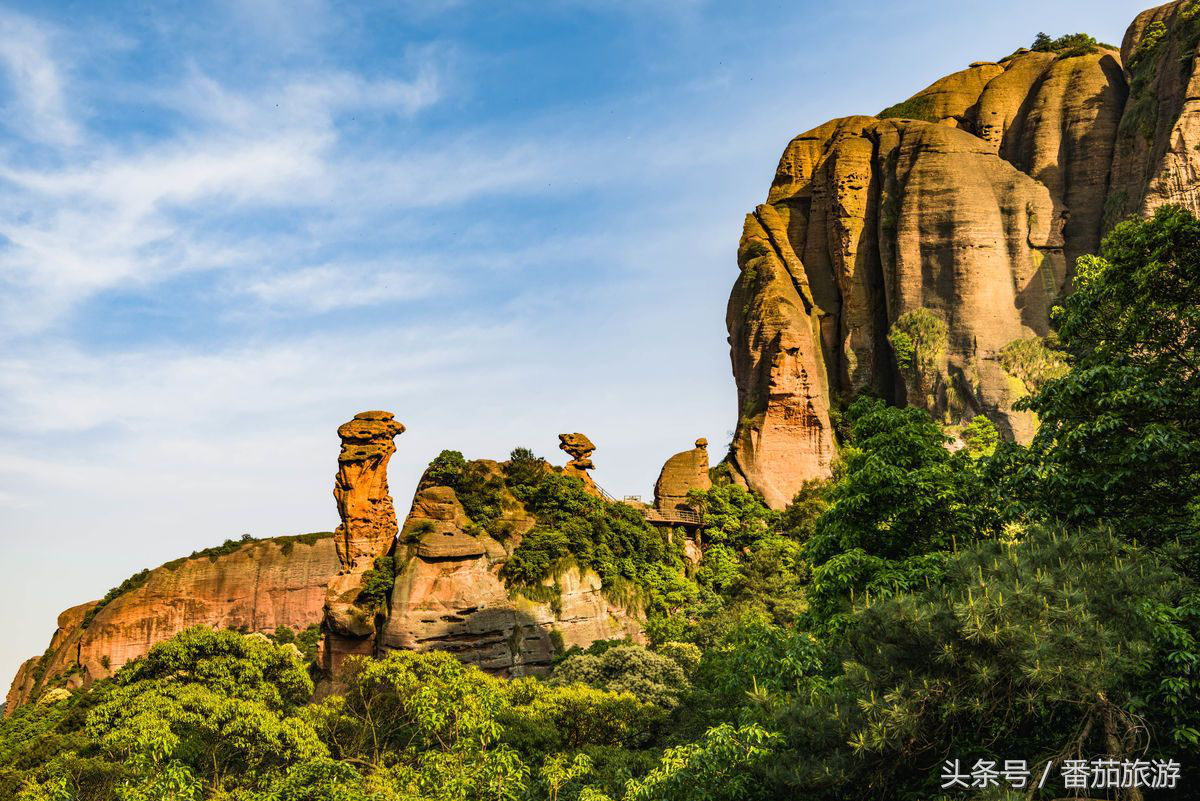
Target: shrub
column 377, row 584
column 919, row 107
column 1033, row 361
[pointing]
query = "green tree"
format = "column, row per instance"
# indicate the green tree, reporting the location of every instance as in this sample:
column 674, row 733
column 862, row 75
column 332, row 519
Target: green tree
column 901, row 502
column 1119, row 439
column 648, row 676
column 428, row 726
column 722, row 765
column 204, row 710
column 980, row 437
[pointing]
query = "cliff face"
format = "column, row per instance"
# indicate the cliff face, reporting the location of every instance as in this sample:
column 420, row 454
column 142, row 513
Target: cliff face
column 950, row 223
column 256, row 586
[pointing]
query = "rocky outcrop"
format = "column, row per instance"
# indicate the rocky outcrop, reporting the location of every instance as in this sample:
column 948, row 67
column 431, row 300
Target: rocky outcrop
column 580, row 449
column 367, row 532
column 898, row 254
column 258, row 585
column 1157, row 159
column 361, row 490
column 23, row 685
column 449, row 594
column 681, row 474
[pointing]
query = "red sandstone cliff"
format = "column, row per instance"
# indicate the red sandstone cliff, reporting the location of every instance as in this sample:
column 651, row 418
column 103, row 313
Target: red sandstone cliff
column 258, row 585
column 960, row 211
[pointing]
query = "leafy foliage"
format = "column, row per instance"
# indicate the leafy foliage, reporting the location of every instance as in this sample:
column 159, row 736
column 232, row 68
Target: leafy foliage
column 1068, row 45
column 377, row 584
column 923, row 605
column 918, row 107
column 477, row 487
column 1033, row 361
column 1119, row 440
column 902, row 502
column 980, row 437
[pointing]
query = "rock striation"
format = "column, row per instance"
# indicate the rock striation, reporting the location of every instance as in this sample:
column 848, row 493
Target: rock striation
column 255, row 586
column 898, row 254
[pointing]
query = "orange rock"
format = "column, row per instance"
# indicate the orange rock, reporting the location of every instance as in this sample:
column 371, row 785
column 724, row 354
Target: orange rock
column 969, row 204
column 681, row 474
column 449, row 595
column 580, row 449
column 367, row 532
column 259, row 586
column 361, row 490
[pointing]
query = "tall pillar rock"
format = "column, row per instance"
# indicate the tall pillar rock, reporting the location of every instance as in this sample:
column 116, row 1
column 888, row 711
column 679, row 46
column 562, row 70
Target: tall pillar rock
column 367, row 531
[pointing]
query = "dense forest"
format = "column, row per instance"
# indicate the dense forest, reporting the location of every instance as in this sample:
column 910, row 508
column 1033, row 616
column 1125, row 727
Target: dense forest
column 930, row 606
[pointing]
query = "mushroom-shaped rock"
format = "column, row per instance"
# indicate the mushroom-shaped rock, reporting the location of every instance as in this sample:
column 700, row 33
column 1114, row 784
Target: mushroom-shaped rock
column 579, row 448
column 682, row 473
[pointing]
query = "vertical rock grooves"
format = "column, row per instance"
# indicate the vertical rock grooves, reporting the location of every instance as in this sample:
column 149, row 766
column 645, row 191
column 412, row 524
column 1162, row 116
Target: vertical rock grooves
column 961, row 210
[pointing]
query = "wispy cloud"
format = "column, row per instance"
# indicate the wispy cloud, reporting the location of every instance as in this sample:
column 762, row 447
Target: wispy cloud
column 38, row 110
column 338, row 286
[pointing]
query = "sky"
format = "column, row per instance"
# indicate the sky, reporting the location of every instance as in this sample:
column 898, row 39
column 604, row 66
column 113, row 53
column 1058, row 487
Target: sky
column 227, row 227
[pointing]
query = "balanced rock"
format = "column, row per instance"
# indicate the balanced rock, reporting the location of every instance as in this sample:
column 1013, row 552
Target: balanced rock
column 368, row 524
column 580, row 449
column 367, row 531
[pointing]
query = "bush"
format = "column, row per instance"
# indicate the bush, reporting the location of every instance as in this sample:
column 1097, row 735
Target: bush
column 650, row 677
column 377, row 585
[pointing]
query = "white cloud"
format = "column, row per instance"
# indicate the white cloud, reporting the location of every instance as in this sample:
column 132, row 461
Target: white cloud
column 36, row 82
column 340, row 286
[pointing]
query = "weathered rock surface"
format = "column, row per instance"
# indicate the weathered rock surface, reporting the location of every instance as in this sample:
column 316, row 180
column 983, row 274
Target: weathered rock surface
column 260, row 586
column 681, row 474
column 1157, row 159
column 361, row 490
column 580, row 449
column 367, row 531
column 968, row 205
column 449, row 595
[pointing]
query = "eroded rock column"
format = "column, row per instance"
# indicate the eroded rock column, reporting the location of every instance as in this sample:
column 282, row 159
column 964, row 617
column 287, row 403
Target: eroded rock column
column 367, row 531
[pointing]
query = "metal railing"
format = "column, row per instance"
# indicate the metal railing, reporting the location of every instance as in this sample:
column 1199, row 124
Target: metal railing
column 684, row 517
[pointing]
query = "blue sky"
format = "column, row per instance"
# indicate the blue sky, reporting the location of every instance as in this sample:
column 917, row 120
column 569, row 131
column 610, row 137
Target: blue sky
column 227, row 227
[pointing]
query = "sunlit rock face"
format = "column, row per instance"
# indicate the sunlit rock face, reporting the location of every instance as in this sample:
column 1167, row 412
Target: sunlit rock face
column 964, row 207
column 449, row 594
column 257, row 586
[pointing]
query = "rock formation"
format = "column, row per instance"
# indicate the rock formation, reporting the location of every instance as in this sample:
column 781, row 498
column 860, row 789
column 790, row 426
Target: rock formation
column 367, row 531
column 1157, row 159
column 449, row 595
column 580, row 449
column 361, row 489
column 681, row 474
column 899, row 254
column 256, row 586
